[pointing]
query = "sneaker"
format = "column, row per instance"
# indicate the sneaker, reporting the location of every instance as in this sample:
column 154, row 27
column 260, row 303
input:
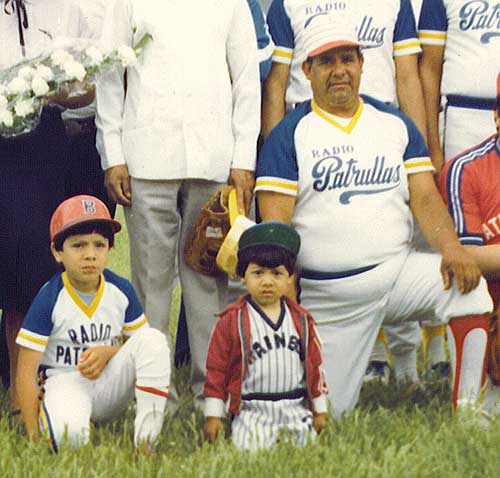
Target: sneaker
column 378, row 370
column 439, row 371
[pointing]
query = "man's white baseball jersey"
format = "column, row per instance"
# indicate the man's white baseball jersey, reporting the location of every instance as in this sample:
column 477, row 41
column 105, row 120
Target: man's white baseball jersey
column 386, row 28
column 469, row 30
column 362, row 179
column 62, row 326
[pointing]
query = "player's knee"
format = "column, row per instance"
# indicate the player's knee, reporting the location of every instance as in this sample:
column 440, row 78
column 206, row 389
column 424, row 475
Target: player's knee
column 73, row 433
column 154, row 340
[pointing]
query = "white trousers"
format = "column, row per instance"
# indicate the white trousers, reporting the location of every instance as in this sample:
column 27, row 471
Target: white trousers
column 350, row 311
column 261, row 423
column 465, row 128
column 71, row 402
column 159, row 221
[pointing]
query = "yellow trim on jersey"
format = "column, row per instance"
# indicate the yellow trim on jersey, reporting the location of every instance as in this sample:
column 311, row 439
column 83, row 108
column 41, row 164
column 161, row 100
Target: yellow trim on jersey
column 30, row 338
column 346, row 129
column 431, row 36
column 88, row 310
column 418, row 165
column 404, row 46
column 283, row 53
column 136, row 324
column 277, row 184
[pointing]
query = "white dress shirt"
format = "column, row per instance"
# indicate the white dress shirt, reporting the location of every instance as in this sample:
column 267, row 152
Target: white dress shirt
column 192, row 106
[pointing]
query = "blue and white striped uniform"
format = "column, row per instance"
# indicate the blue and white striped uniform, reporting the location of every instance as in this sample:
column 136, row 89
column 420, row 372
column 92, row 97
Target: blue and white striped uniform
column 386, row 27
column 275, row 367
column 469, row 30
column 349, row 178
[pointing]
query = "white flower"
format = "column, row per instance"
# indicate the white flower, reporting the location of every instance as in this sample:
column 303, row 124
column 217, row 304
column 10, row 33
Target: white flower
column 127, row 56
column 26, row 72
column 94, row 55
column 39, row 86
column 17, row 86
column 44, row 72
column 3, row 102
column 24, row 107
column 59, row 57
column 74, row 70
column 6, row 118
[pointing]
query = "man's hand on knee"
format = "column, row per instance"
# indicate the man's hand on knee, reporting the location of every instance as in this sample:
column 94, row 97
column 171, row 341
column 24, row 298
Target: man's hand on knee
column 457, row 262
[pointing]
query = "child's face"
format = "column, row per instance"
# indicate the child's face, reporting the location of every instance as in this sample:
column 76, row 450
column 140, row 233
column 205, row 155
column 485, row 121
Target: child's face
column 84, row 257
column 266, row 285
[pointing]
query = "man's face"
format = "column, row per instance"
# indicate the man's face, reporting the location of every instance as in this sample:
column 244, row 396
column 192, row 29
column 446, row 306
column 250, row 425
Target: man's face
column 497, row 119
column 335, row 76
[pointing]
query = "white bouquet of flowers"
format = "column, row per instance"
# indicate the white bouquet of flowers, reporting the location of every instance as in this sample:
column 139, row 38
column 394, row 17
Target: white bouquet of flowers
column 71, row 66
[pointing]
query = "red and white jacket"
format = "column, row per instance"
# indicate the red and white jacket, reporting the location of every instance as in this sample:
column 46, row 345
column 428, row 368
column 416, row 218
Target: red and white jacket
column 227, row 359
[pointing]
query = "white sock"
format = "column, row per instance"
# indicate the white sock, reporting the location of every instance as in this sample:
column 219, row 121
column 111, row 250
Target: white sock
column 379, row 353
column 151, row 403
column 435, row 351
column 405, row 366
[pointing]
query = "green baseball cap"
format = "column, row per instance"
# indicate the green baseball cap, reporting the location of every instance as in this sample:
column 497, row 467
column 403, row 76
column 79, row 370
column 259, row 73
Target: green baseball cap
column 271, row 233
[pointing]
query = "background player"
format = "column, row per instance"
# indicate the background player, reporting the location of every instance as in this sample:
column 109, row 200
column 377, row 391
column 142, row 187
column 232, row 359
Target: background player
column 274, row 381
column 388, row 32
column 460, row 60
column 73, row 330
column 470, row 185
column 343, row 169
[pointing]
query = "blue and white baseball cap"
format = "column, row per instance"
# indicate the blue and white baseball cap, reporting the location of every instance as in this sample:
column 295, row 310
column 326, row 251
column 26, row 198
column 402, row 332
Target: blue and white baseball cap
column 328, row 31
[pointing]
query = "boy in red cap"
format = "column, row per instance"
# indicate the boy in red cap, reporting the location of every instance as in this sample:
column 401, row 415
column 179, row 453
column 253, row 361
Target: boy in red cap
column 71, row 336
column 264, row 353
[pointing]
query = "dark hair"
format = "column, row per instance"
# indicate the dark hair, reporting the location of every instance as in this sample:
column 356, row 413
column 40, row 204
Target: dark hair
column 91, row 227
column 265, row 256
column 497, row 104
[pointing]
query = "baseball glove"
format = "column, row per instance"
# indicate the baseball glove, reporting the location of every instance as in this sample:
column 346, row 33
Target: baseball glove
column 208, row 234
column 494, row 350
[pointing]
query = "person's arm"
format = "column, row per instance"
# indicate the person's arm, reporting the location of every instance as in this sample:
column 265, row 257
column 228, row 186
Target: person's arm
column 431, row 68
column 242, row 58
column 436, row 225
column 275, row 206
column 27, row 368
column 110, row 96
column 273, row 97
column 488, row 259
column 409, row 90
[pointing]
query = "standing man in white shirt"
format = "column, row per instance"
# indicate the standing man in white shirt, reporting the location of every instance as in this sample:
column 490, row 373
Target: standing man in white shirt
column 188, row 123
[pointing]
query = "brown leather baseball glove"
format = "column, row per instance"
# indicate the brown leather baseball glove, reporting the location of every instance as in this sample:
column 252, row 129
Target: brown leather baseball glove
column 209, row 232
column 494, row 350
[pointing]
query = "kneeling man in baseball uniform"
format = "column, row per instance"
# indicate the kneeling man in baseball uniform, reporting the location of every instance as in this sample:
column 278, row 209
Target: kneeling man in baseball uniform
column 71, row 336
column 348, row 172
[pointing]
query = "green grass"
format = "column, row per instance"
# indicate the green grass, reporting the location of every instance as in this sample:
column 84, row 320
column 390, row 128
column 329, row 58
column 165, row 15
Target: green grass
column 384, row 437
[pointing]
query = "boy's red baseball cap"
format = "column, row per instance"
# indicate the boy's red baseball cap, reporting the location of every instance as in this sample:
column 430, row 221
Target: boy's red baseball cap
column 77, row 210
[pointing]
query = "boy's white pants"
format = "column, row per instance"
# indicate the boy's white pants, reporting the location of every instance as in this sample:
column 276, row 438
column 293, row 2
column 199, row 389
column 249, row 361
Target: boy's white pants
column 71, row 401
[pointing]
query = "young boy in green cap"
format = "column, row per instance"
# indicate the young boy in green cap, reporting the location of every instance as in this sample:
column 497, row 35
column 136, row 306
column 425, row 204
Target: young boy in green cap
column 273, row 381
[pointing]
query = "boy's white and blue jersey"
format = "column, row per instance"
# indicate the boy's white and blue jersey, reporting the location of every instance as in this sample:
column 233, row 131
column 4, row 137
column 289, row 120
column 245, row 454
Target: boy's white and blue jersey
column 470, row 32
column 386, row 27
column 349, row 181
column 62, row 326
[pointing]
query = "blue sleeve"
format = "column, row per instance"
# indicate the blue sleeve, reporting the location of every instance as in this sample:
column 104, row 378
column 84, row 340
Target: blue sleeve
column 38, row 319
column 263, row 39
column 416, row 147
column 405, row 23
column 279, row 25
column 433, row 16
column 278, row 157
column 134, row 309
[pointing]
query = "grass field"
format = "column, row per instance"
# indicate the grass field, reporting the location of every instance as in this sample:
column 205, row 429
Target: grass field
column 384, row 437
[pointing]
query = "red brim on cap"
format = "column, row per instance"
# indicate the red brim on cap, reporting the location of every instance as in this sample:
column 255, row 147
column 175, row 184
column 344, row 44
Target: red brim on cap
column 115, row 225
column 331, row 45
